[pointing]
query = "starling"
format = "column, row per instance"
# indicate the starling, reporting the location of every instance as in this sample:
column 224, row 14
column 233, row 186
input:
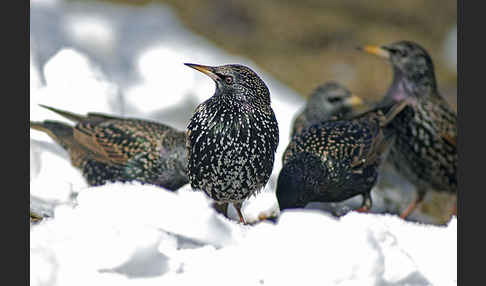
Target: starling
column 232, row 136
column 425, row 148
column 328, row 101
column 109, row 149
column 335, row 160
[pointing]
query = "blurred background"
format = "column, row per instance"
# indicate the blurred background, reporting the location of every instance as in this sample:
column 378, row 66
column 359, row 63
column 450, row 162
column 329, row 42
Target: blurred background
column 304, row 43
column 300, row 44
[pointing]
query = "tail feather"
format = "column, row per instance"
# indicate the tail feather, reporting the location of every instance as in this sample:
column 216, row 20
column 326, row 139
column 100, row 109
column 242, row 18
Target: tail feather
column 69, row 115
column 92, row 117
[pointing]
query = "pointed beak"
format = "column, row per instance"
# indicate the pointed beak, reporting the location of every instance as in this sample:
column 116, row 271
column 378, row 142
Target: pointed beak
column 375, row 50
column 354, row 101
column 207, row 70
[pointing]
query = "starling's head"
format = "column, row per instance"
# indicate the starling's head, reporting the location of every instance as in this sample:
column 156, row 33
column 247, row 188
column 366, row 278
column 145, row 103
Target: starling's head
column 332, row 99
column 238, row 81
column 409, row 60
column 298, row 181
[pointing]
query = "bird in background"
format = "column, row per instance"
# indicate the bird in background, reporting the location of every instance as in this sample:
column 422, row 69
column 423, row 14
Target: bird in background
column 112, row 149
column 329, row 101
column 337, row 159
column 232, row 137
column 424, row 151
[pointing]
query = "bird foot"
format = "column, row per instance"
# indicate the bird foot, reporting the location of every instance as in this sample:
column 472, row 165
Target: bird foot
column 406, row 213
column 242, row 220
column 409, row 209
column 363, row 209
column 240, row 214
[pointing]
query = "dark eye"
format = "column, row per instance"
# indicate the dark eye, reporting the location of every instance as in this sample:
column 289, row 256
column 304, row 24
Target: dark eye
column 228, row 80
column 401, row 53
column 334, row 99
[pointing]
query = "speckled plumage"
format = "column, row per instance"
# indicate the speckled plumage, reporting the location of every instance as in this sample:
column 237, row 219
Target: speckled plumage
column 232, row 136
column 335, row 160
column 425, row 149
column 109, row 149
column 328, row 101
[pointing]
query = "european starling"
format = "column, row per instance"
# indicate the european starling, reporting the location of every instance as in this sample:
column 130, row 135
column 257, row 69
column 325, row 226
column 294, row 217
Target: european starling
column 109, row 149
column 335, row 160
column 232, row 136
column 328, row 101
column 425, row 148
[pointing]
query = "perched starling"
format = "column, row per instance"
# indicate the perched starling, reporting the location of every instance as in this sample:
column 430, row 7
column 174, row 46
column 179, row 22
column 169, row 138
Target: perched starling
column 109, row 149
column 335, row 160
column 328, row 101
column 425, row 148
column 232, row 137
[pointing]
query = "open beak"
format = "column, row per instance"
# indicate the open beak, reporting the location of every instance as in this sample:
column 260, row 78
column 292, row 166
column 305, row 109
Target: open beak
column 376, row 50
column 354, row 101
column 207, row 70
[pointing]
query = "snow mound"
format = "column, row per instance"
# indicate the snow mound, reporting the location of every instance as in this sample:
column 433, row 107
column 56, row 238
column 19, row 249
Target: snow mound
column 151, row 235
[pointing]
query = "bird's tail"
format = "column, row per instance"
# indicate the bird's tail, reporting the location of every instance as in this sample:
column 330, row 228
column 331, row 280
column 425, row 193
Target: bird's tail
column 69, row 115
column 92, row 117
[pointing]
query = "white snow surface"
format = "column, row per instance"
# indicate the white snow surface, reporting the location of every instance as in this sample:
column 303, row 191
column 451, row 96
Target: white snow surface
column 132, row 234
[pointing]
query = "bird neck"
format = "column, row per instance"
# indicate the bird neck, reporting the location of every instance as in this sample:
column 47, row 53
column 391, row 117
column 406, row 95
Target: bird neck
column 316, row 114
column 238, row 102
column 418, row 84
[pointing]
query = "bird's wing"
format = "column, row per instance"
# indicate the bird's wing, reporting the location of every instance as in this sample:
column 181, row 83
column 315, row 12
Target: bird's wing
column 449, row 130
column 373, row 146
column 448, row 138
column 99, row 117
column 118, row 141
column 447, row 126
column 93, row 140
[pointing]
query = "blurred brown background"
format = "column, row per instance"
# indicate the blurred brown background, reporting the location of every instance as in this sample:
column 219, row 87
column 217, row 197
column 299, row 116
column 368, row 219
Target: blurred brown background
column 305, row 43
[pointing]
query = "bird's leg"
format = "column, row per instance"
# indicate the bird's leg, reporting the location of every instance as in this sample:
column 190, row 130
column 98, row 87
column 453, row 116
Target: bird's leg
column 454, row 208
column 367, row 203
column 221, row 208
column 414, row 204
column 238, row 209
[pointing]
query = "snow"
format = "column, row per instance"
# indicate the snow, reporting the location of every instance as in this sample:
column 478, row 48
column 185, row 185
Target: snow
column 153, row 236
column 87, row 57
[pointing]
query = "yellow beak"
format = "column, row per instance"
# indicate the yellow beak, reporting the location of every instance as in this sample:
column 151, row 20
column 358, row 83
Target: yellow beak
column 354, row 101
column 207, row 70
column 376, row 50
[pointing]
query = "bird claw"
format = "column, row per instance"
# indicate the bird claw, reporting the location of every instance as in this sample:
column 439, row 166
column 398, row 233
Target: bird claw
column 363, row 209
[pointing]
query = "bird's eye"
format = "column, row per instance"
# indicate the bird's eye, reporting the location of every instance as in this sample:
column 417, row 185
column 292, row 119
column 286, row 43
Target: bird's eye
column 334, row 99
column 228, row 80
column 401, row 53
